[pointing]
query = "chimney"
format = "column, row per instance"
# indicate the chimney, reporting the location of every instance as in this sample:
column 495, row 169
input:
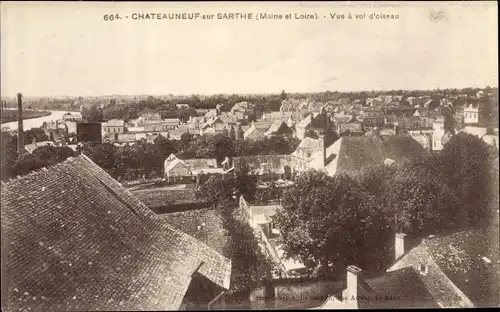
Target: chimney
column 20, row 133
column 399, row 246
column 350, row 294
column 429, row 141
column 322, row 147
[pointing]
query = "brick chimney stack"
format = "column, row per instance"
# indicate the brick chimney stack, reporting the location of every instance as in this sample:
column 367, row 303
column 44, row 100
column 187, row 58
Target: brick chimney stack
column 20, row 130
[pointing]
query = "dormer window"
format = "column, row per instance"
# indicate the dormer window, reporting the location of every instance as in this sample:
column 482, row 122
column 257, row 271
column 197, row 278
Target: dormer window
column 422, row 268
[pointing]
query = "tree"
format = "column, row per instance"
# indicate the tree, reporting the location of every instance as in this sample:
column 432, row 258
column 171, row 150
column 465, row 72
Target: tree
column 419, row 203
column 8, row 154
column 465, row 162
column 35, row 134
column 283, row 95
column 218, row 188
column 329, row 223
column 104, row 155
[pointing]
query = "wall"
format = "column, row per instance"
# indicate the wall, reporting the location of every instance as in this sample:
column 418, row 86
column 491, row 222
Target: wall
column 179, row 170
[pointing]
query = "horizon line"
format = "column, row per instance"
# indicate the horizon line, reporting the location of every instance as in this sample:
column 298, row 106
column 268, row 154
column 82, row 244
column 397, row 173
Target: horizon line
column 437, row 88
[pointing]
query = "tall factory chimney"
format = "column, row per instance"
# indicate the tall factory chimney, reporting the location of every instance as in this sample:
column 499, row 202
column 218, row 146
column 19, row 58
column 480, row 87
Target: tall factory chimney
column 20, row 131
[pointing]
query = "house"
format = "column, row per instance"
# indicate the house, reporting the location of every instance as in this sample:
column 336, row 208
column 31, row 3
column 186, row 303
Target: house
column 471, row 114
column 155, row 127
column 286, row 117
column 423, row 138
column 176, row 134
column 490, row 136
column 229, row 119
column 114, row 126
column 289, row 105
column 195, row 123
column 125, row 137
column 149, row 118
column 188, row 169
column 396, row 290
column 257, row 129
column 264, row 164
column 278, row 127
column 440, row 136
column 172, row 123
column 213, row 125
column 135, row 129
column 87, row 243
column 350, row 154
column 310, row 154
column 320, row 122
column 73, row 116
column 33, row 146
column 373, row 119
column 348, row 124
column 243, row 110
column 302, row 127
column 182, row 106
column 70, row 127
column 460, row 270
column 454, row 270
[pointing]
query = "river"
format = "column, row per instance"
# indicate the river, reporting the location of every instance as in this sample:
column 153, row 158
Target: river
column 35, row 122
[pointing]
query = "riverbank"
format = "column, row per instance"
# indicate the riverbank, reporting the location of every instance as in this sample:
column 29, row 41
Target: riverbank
column 35, row 122
column 12, row 115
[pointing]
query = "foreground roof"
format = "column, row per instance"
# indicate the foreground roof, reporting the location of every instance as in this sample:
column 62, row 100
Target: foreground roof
column 470, row 259
column 74, row 239
column 398, row 289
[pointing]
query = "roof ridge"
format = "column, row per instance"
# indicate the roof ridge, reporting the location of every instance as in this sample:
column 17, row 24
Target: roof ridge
column 39, row 171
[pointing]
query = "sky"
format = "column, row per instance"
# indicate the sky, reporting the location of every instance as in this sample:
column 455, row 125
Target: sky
column 68, row 48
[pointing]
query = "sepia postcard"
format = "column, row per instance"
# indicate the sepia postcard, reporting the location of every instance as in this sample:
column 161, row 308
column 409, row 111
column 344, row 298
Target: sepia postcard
column 161, row 156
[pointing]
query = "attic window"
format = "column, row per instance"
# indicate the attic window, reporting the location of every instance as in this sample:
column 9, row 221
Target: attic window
column 423, row 269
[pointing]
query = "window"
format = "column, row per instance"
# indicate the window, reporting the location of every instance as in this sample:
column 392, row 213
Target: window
column 422, row 268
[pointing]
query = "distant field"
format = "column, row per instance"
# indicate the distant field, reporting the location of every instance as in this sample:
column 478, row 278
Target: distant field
column 12, row 115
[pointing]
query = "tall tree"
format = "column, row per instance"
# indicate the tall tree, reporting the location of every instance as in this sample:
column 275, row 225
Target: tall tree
column 465, row 160
column 329, row 223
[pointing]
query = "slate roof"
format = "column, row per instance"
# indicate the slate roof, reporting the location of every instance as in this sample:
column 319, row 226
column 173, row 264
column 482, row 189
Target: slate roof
column 263, row 124
column 206, row 225
column 275, row 127
column 74, row 239
column 357, row 152
column 398, row 289
column 254, row 133
column 307, row 147
column 276, row 163
column 460, row 257
column 305, row 122
column 194, row 164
